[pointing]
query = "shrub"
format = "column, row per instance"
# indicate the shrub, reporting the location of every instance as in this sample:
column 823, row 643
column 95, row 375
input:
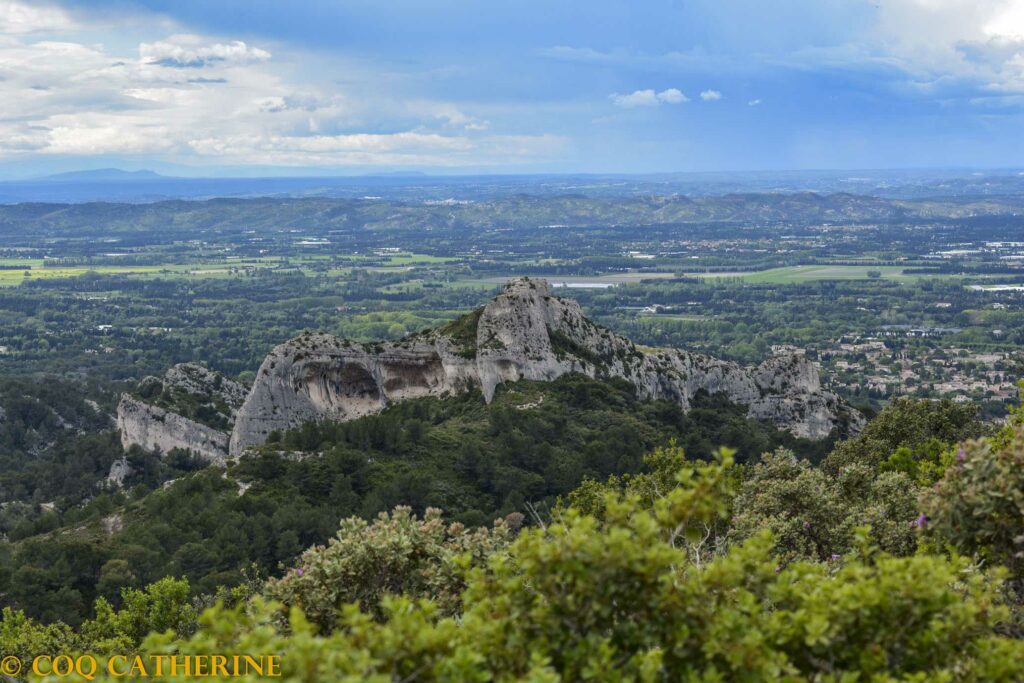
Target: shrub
column 618, row 600
column 396, row 555
column 162, row 606
column 804, row 509
column 917, row 425
column 978, row 505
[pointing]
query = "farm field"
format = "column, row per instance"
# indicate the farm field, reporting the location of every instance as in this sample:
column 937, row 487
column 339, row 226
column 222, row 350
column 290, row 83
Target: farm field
column 796, row 274
column 14, row 271
column 584, row 282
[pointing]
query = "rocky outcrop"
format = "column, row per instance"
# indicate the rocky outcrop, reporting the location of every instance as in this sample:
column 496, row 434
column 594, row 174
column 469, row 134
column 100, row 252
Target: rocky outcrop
column 191, row 408
column 318, row 376
column 156, row 429
column 198, row 380
column 523, row 333
column 119, row 471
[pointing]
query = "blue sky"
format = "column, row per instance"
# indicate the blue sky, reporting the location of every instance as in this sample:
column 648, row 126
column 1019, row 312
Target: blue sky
column 206, row 87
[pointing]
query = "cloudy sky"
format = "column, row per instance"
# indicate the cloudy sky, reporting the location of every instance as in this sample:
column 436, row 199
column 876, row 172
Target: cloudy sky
column 454, row 86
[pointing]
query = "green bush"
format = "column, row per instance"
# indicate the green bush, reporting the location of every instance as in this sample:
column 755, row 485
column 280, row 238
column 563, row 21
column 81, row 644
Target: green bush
column 813, row 515
column 619, row 599
column 913, row 424
column 396, row 555
column 162, row 606
column 978, row 506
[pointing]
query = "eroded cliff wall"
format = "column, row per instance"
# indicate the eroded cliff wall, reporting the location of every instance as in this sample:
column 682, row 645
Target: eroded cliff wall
column 524, row 333
column 156, row 418
column 156, row 429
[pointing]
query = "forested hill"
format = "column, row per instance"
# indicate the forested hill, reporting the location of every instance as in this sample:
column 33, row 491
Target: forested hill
column 32, row 221
column 815, row 570
column 535, row 442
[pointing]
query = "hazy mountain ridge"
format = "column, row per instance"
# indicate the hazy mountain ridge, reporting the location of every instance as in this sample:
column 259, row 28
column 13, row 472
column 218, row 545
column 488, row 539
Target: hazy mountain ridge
column 146, row 186
column 99, row 175
column 513, row 212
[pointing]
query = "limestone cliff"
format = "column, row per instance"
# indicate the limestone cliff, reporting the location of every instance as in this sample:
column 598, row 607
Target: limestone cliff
column 523, row 333
column 190, row 408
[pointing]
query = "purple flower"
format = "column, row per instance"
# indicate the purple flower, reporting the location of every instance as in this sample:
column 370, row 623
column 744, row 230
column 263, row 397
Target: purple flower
column 835, row 557
column 920, row 521
column 807, row 525
column 961, row 455
column 778, row 569
column 299, row 571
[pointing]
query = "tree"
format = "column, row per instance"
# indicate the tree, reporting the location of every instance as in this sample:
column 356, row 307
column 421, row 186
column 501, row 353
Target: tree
column 924, row 427
column 813, row 516
column 115, row 575
column 806, row 513
column 164, row 606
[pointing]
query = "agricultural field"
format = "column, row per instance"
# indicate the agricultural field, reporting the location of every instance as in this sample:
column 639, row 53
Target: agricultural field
column 797, row 274
column 14, row 271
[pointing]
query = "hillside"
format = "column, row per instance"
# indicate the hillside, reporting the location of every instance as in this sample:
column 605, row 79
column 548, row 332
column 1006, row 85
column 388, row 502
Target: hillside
column 517, row 212
column 534, row 442
column 502, row 410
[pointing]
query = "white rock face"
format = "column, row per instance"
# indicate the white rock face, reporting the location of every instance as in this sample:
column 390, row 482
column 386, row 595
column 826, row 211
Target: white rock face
column 153, row 427
column 523, row 333
column 318, row 376
column 156, row 429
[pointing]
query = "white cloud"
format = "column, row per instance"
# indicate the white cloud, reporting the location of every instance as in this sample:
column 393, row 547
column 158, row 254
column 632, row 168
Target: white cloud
column 649, row 98
column 753, row 103
column 189, row 51
column 107, row 138
column 38, row 17
column 188, row 97
column 710, row 95
column 672, row 96
column 943, row 43
column 638, row 98
column 449, row 114
column 1008, row 22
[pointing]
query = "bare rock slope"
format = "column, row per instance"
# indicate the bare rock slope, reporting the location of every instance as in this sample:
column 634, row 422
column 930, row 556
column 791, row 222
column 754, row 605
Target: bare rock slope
column 524, row 333
column 191, row 408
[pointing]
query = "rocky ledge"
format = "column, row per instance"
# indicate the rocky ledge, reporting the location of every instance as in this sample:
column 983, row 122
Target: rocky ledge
column 524, row 333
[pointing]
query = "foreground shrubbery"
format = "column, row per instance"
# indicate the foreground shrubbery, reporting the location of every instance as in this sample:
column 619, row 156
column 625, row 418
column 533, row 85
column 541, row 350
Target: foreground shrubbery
column 621, row 598
column 687, row 571
column 397, row 555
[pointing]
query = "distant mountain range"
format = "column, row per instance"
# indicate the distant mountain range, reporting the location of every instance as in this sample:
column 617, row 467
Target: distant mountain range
column 456, row 220
column 100, row 175
column 144, row 186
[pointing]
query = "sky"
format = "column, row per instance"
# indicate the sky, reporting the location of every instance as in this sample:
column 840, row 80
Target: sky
column 339, row 87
